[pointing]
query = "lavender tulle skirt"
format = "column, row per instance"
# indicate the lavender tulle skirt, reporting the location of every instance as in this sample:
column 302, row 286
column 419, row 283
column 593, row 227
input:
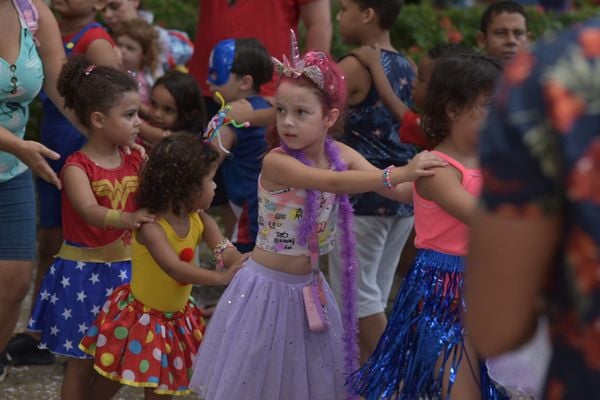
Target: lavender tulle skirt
column 521, row 373
column 258, row 344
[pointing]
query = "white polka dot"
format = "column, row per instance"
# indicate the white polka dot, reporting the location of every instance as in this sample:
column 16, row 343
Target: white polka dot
column 157, row 354
column 128, row 375
column 101, row 340
column 106, row 306
column 163, row 387
column 178, row 363
column 145, row 319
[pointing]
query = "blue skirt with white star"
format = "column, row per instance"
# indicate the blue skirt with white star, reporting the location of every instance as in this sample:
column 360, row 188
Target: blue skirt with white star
column 71, row 296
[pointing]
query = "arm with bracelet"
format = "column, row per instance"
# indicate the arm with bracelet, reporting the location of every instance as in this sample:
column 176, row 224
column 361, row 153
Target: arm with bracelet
column 225, row 253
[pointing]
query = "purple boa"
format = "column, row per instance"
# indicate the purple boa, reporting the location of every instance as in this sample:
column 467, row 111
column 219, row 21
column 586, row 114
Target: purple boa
column 306, row 229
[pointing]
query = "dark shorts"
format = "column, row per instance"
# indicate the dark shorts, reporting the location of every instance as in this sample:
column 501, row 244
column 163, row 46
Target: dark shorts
column 17, row 218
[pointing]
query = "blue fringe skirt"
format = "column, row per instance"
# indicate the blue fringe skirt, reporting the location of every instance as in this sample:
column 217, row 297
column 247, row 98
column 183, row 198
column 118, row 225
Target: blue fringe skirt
column 423, row 337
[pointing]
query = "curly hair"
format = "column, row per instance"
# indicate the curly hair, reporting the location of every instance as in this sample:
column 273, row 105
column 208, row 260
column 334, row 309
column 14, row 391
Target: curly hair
column 172, row 177
column 146, row 36
column 455, row 84
column 87, row 88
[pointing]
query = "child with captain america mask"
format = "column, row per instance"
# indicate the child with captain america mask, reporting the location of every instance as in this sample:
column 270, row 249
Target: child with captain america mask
column 237, row 70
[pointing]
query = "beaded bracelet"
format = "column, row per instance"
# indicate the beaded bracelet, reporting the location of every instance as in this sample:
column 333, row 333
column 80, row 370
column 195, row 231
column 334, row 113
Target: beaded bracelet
column 112, row 218
column 218, row 253
column 387, row 177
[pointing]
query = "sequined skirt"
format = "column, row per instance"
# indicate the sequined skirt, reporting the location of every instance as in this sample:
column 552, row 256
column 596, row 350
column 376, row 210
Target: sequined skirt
column 258, row 345
column 423, row 337
column 138, row 346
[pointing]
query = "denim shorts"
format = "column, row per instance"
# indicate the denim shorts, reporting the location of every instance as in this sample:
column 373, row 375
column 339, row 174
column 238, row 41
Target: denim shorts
column 17, row 218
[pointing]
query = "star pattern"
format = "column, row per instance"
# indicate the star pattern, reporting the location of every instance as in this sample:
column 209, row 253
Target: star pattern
column 94, row 279
column 81, row 296
column 123, row 275
column 82, row 328
column 72, row 295
column 66, row 313
column 65, row 282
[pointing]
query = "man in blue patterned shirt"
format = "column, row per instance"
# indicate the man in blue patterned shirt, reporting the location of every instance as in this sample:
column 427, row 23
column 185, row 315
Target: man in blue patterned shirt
column 535, row 245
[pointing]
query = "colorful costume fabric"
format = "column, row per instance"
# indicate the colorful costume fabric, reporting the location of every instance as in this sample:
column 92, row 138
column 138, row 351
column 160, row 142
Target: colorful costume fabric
column 426, row 323
column 148, row 332
column 91, row 263
column 258, row 344
column 540, row 152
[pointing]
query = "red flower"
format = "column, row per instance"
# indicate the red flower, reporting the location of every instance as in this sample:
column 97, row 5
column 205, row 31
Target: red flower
column 455, row 36
column 555, row 390
column 520, row 68
column 584, row 182
column 590, row 42
column 583, row 255
column 565, row 107
column 590, row 345
column 446, row 23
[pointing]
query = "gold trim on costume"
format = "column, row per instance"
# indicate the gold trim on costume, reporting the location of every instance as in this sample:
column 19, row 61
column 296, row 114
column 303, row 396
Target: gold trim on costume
column 112, row 252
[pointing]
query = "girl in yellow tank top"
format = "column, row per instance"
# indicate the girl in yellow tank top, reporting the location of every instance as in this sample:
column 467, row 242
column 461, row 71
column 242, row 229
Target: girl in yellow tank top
column 149, row 331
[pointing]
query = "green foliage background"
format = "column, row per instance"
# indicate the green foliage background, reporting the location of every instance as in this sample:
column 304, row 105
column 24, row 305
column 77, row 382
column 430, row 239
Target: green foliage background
column 418, row 28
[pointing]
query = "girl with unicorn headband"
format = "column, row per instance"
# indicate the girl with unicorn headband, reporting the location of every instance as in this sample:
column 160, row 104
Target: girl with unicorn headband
column 277, row 332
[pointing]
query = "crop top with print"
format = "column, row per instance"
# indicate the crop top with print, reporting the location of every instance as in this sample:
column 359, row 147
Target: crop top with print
column 279, row 214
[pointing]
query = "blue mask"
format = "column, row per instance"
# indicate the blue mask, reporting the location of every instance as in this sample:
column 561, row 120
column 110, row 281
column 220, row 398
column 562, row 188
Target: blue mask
column 221, row 61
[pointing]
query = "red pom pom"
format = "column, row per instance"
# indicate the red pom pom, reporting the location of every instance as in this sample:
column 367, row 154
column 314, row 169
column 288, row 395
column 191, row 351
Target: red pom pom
column 186, row 254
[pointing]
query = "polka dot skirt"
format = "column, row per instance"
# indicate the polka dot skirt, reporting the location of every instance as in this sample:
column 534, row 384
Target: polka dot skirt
column 138, row 346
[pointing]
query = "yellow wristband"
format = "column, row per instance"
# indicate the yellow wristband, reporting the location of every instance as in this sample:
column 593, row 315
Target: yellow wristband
column 112, row 219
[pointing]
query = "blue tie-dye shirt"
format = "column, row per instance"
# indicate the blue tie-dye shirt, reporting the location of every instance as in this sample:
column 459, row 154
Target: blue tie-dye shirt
column 372, row 130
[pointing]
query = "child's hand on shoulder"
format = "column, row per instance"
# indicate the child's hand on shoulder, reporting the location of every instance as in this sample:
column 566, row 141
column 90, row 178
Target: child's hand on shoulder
column 135, row 147
column 368, row 55
column 422, row 164
column 133, row 220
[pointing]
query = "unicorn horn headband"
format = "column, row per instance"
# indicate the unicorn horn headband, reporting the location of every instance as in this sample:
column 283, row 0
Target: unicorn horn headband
column 297, row 67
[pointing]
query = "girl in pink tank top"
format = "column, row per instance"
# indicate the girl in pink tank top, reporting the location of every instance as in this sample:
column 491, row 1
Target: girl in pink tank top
column 424, row 352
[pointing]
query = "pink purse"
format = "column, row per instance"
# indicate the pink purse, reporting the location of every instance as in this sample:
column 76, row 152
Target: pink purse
column 315, row 307
column 314, row 296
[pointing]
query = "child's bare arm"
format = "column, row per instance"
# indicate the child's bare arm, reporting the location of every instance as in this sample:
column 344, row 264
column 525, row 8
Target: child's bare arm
column 153, row 237
column 79, row 191
column 264, row 117
column 152, row 134
column 212, row 235
column 370, row 57
column 446, row 190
